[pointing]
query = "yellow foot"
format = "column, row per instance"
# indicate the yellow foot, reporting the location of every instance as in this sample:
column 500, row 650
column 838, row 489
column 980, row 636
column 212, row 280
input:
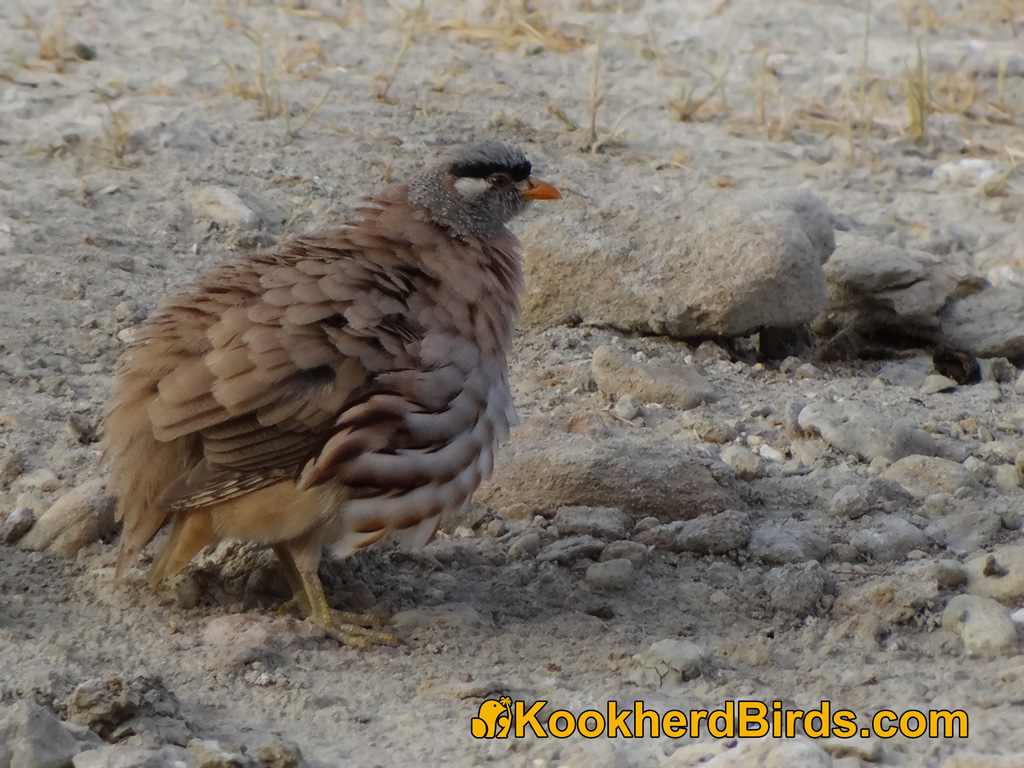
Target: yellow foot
column 360, row 637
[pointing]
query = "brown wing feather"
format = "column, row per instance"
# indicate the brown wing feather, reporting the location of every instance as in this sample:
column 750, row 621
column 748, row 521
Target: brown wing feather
column 233, row 385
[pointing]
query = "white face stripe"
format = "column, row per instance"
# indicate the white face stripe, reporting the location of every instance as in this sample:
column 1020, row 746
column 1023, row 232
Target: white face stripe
column 469, row 188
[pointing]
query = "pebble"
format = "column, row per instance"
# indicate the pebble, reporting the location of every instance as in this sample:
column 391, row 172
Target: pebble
column 225, row 207
column 895, row 599
column 983, row 625
column 1006, row 477
column 279, row 753
column 570, row 549
column 798, row 589
column 998, row 369
column 627, row 407
column 672, row 661
column 998, row 574
column 774, row 753
column 807, row 371
column 618, row 374
column 889, row 538
column 978, row 467
column 851, row 501
column 771, row 453
column 788, row 542
column 611, row 575
column 711, row 431
column 745, row 463
column 936, row 383
column 924, row 475
column 16, row 524
column 966, row 530
column 705, row 535
column 606, row 523
column 524, row 546
column 212, row 754
column 81, row 516
column 37, row 480
column 634, row 551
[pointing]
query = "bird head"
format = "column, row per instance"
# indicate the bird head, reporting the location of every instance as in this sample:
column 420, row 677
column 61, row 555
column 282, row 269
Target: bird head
column 476, row 189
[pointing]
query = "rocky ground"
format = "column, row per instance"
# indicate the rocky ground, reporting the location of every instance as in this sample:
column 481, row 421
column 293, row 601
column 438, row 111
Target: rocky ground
column 739, row 474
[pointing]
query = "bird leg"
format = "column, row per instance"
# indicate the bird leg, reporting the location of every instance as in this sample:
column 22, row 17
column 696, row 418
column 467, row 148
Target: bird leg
column 308, row 598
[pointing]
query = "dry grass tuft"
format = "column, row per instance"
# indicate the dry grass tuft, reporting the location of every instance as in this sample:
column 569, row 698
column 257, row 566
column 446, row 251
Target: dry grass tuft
column 509, row 24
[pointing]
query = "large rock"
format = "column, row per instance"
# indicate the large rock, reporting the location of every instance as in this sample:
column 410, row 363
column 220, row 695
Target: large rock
column 728, row 266
column 883, row 289
column 854, row 428
column 551, row 470
column 987, row 324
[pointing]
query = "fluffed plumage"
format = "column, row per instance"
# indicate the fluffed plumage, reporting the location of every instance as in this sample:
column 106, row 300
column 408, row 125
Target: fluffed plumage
column 351, row 384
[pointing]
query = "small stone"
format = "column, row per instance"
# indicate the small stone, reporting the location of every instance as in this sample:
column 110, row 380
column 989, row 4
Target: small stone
column 889, row 538
column 771, row 453
column 618, row 374
column 1006, row 477
column 978, row 467
column 81, row 516
column 707, row 534
column 211, row 754
column 627, row 407
column 83, row 51
column 949, row 574
column 524, row 546
column 936, row 383
column 610, row 575
column 634, row 551
column 779, row 753
column 278, row 753
column 983, row 624
column 807, row 371
column 521, row 513
column 790, row 365
column 37, row 480
column 935, row 503
column 924, row 475
column 1012, row 519
column 745, row 463
column 851, row 501
column 226, row 207
column 16, row 524
column 711, row 431
column 998, row 574
column 606, row 523
column 674, row 661
column 798, row 589
column 789, row 542
column 570, row 549
column 998, row 369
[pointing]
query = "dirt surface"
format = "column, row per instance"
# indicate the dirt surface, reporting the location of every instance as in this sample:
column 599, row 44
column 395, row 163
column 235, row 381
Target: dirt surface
column 144, row 142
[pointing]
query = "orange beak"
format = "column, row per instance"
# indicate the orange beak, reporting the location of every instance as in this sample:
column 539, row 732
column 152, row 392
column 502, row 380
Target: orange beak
column 540, row 190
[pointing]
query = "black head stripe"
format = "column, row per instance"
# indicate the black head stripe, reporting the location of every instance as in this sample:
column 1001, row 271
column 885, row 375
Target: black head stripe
column 481, row 169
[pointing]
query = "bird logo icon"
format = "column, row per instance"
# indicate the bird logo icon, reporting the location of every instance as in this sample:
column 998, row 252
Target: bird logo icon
column 494, row 719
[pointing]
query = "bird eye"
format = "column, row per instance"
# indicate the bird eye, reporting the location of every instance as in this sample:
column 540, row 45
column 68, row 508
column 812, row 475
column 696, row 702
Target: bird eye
column 499, row 180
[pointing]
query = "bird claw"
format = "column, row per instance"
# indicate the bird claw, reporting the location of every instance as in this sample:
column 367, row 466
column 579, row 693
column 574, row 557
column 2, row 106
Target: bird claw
column 360, row 637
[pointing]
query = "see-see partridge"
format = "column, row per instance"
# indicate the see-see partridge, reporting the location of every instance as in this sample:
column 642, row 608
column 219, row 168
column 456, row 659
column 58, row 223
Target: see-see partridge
column 350, row 384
